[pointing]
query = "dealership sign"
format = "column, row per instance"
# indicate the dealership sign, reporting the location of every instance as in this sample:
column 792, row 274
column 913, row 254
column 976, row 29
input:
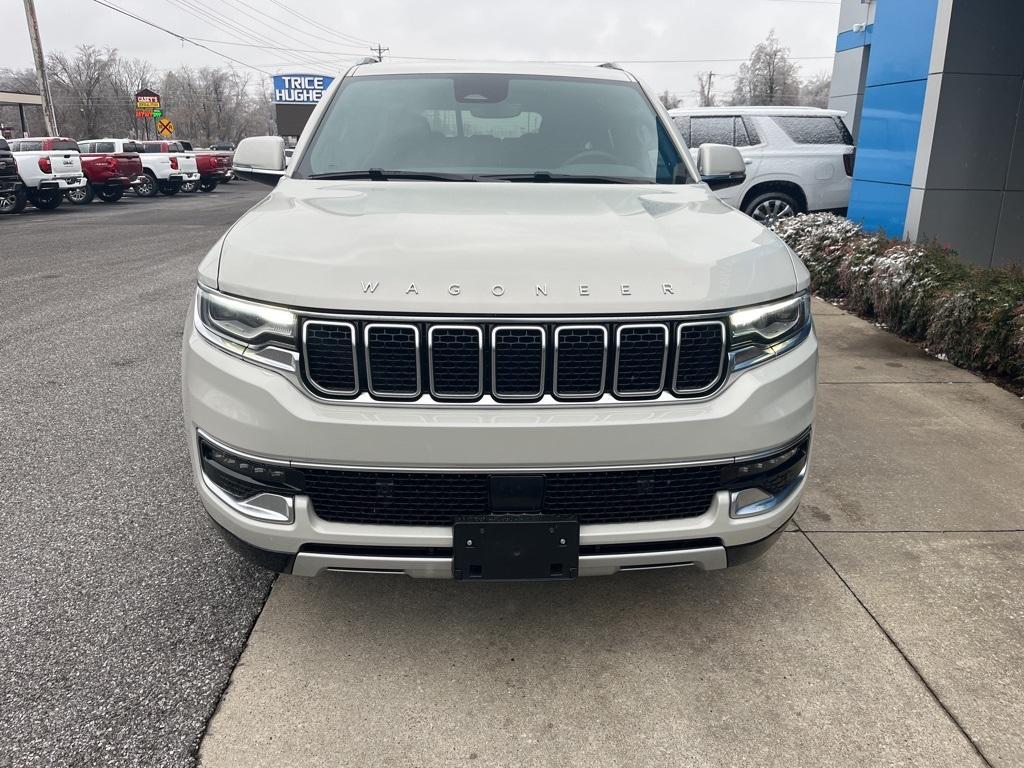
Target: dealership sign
column 300, row 89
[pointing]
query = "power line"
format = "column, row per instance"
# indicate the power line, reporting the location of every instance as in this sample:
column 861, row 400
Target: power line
column 352, row 38
column 352, row 52
column 179, row 36
column 200, row 12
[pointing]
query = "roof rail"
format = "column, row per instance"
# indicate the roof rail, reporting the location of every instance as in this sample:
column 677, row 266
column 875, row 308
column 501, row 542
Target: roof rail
column 610, row 65
column 366, row 60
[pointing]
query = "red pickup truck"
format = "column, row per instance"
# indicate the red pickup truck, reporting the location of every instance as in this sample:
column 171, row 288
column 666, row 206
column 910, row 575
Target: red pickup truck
column 109, row 173
column 215, row 167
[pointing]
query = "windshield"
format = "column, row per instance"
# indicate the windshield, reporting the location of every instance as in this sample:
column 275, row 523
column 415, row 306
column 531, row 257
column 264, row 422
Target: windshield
column 472, row 126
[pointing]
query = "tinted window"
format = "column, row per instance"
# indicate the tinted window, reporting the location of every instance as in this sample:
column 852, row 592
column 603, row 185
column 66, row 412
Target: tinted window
column 151, row 148
column 814, row 130
column 712, row 130
column 62, row 145
column 132, row 146
column 28, row 146
column 3, row 145
column 103, row 146
column 492, row 124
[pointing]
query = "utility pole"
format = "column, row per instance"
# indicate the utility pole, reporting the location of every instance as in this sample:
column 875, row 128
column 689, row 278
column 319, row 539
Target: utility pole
column 49, row 118
column 379, row 52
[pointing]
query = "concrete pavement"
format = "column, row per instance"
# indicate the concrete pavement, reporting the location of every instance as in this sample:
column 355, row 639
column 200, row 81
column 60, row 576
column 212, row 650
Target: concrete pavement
column 882, row 630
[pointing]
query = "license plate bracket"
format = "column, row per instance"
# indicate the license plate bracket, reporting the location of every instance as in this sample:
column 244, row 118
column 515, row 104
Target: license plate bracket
column 516, row 550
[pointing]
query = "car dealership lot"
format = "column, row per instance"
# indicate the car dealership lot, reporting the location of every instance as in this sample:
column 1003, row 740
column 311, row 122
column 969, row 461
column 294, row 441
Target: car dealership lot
column 883, row 630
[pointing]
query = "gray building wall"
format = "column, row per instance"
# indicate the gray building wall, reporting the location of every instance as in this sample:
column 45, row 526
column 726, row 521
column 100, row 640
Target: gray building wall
column 968, row 184
column 849, row 70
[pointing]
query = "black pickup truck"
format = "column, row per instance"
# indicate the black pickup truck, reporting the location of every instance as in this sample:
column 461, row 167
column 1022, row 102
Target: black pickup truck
column 12, row 191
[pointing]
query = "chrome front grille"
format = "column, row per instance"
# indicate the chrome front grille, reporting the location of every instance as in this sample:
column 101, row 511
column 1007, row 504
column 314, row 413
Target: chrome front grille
column 512, row 361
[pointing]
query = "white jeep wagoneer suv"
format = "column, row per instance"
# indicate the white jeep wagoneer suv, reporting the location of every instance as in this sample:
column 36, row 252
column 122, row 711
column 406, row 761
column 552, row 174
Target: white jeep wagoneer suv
column 492, row 322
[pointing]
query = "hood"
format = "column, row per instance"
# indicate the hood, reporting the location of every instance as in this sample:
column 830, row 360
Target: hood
column 501, row 248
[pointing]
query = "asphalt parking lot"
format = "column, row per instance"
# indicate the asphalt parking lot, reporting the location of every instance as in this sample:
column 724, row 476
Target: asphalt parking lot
column 884, row 628
column 122, row 614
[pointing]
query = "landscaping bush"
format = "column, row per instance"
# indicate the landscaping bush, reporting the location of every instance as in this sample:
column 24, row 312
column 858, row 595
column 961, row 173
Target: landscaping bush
column 973, row 316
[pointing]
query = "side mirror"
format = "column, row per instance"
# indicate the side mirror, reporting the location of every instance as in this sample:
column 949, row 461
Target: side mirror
column 721, row 166
column 260, row 158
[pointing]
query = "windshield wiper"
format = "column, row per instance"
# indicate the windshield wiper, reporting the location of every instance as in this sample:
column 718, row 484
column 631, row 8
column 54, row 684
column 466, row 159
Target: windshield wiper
column 568, row 178
column 379, row 174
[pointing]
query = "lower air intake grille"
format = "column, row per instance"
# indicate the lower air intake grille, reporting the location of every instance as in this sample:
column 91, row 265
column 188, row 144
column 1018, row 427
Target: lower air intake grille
column 408, row 498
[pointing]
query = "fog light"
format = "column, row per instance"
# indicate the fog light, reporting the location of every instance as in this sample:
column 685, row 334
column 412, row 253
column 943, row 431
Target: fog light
column 750, row 502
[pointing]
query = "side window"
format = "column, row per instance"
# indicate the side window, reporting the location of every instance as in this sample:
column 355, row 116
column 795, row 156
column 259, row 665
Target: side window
column 811, row 129
column 712, row 130
column 102, row 146
column 85, row 146
column 3, row 145
column 29, row 146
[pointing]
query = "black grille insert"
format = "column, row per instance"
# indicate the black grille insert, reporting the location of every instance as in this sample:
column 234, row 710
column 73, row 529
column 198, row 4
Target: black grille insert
column 640, row 364
column 580, row 359
column 456, row 361
column 331, row 357
column 518, row 362
column 393, row 360
column 700, row 356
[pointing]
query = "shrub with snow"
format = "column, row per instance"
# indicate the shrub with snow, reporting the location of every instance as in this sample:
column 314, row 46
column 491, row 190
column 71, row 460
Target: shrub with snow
column 972, row 316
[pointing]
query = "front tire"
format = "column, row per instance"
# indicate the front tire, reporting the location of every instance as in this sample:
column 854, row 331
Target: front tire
column 170, row 188
column 207, row 186
column 111, row 195
column 13, row 202
column 769, row 208
column 83, row 195
column 148, row 187
column 47, row 201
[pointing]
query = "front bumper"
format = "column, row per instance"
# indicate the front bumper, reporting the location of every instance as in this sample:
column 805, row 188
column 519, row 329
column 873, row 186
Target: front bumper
column 255, row 411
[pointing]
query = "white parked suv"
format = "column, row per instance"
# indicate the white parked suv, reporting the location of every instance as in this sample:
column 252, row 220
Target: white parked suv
column 492, row 323
column 798, row 159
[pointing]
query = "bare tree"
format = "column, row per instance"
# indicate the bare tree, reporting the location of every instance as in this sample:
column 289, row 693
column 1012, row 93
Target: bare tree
column 769, row 78
column 94, row 95
column 705, row 94
column 814, row 92
column 81, row 90
column 669, row 99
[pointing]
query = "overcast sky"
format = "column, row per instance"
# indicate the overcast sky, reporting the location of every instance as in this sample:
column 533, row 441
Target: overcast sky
column 564, row 30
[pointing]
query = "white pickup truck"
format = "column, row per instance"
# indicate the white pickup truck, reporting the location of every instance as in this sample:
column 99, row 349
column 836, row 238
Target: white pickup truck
column 47, row 172
column 162, row 172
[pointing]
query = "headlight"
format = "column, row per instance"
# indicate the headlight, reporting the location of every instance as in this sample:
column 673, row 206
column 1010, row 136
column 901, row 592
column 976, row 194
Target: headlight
column 245, row 321
column 764, row 332
column 770, row 324
column 260, row 333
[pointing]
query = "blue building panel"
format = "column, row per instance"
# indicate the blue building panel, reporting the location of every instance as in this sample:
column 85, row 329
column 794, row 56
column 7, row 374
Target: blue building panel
column 877, row 206
column 901, row 41
column 851, row 39
column 890, row 125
